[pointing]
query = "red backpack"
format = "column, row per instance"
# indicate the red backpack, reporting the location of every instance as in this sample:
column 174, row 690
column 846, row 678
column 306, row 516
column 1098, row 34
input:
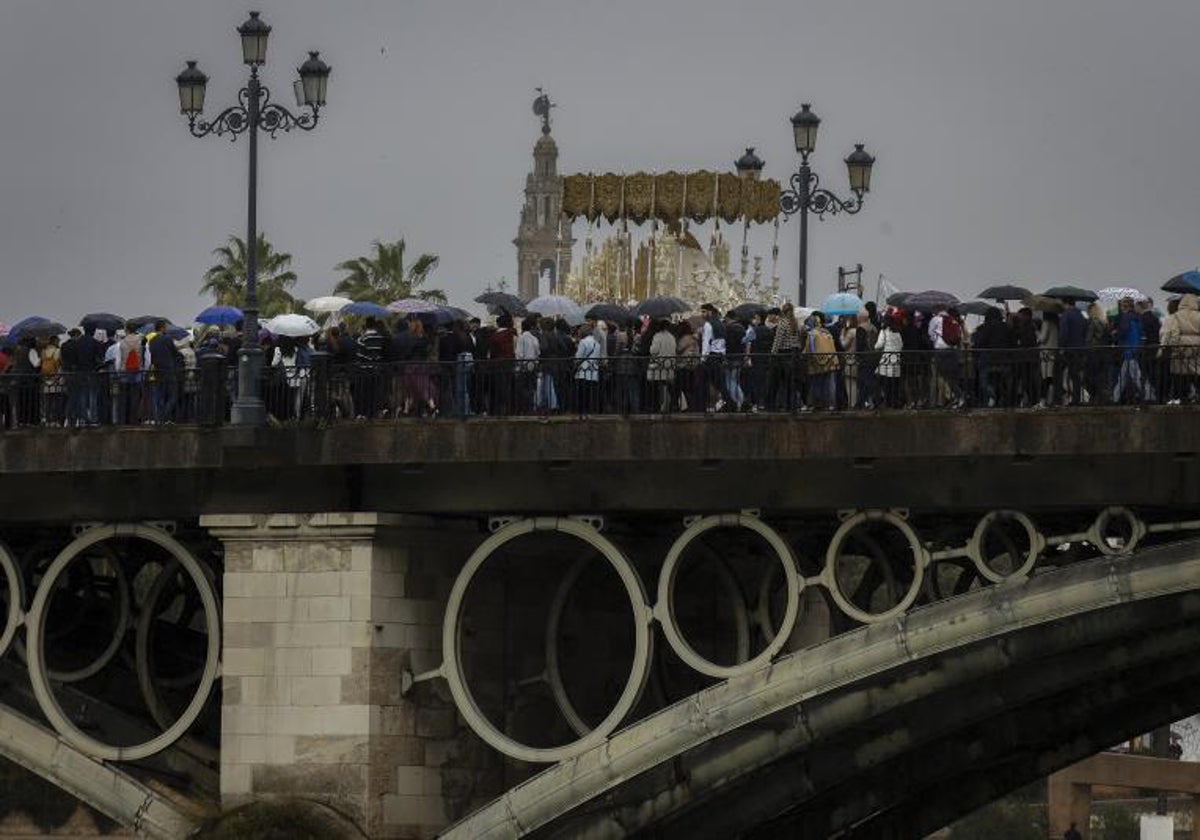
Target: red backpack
column 133, row 361
column 951, row 331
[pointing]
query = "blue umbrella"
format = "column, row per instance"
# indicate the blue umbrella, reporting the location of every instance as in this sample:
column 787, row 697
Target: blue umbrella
column 14, row 332
column 842, row 303
column 220, row 315
column 366, row 308
column 1188, row 282
column 173, row 332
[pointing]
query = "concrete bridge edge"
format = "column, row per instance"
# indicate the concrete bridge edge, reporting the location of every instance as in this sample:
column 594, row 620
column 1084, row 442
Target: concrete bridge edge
column 103, row 786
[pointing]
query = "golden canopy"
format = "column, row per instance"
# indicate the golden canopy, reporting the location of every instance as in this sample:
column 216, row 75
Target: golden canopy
column 670, row 196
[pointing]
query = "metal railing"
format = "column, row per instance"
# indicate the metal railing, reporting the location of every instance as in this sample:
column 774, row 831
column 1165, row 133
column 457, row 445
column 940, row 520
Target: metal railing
column 327, row 392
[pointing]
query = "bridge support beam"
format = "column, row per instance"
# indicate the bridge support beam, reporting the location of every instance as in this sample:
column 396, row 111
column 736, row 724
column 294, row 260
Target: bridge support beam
column 322, row 614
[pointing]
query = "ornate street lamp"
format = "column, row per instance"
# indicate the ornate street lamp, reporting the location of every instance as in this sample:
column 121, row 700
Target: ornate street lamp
column 806, row 193
column 749, row 165
column 254, row 112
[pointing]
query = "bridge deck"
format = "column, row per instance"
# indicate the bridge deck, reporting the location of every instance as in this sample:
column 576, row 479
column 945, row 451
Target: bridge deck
column 1027, row 459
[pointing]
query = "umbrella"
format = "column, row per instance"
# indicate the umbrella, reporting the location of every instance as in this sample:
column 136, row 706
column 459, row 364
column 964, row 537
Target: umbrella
column 102, row 321
column 291, row 325
column 412, row 306
column 557, row 306
column 609, row 312
column 220, row 315
column 1070, row 293
column 746, row 311
column 148, row 327
column 1044, row 303
column 663, row 306
column 1005, row 293
column 898, row 298
column 930, row 300
column 842, row 303
column 38, row 329
column 177, row 333
column 502, row 301
column 141, row 320
column 1112, row 294
column 365, row 308
column 978, row 307
column 329, row 303
column 1183, row 284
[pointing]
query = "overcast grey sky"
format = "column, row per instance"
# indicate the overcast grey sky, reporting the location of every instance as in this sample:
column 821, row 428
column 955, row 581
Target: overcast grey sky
column 1023, row 140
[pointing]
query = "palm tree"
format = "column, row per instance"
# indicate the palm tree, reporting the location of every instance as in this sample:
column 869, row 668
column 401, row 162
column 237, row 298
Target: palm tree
column 226, row 280
column 382, row 277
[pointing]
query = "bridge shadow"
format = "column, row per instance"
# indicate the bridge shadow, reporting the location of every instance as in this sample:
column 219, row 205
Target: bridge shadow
column 893, row 730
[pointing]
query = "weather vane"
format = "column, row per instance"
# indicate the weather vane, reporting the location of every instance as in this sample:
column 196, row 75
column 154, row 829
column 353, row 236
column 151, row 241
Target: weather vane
column 541, row 107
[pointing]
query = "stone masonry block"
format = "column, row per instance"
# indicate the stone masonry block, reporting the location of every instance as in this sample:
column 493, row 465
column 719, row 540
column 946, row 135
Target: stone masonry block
column 421, row 810
column 267, row 558
column 257, row 634
column 314, row 583
column 309, row 634
column 243, row 720
column 235, row 778
column 238, row 662
column 289, row 661
column 258, row 749
column 266, row 691
column 332, row 749
column 332, row 780
column 418, row 781
column 254, row 584
column 356, row 583
column 400, row 719
column 316, row 691
column 436, row 723
column 331, row 661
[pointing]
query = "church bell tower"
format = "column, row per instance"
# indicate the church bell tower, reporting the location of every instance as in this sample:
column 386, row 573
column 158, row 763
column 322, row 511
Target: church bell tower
column 544, row 237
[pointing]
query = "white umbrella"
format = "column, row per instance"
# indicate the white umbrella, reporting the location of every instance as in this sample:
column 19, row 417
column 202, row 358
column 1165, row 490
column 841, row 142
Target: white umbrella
column 556, row 306
column 329, row 303
column 294, row 326
column 1112, row 294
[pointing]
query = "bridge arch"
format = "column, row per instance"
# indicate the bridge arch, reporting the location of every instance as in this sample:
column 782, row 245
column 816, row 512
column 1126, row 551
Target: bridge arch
column 1117, row 611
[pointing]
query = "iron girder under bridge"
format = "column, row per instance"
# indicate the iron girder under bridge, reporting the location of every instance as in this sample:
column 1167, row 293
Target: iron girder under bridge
column 895, row 729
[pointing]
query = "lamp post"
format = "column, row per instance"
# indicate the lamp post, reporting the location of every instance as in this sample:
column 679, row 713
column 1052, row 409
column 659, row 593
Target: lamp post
column 254, row 112
column 807, row 195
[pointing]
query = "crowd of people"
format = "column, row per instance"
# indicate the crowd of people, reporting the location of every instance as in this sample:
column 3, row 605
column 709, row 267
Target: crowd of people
column 770, row 360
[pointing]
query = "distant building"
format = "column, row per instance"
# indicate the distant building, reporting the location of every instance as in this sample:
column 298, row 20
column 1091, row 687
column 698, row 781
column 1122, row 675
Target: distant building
column 544, row 238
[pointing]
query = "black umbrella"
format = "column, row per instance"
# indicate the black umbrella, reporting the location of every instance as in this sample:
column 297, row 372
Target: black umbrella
column 977, row 307
column 898, row 298
column 1044, row 303
column 663, row 306
column 502, row 302
column 1070, row 293
column 42, row 329
column 746, row 311
column 141, row 320
column 1005, row 293
column 102, row 321
column 609, row 312
column 930, row 300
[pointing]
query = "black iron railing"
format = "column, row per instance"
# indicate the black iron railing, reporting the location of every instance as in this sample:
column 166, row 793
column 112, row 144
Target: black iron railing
column 327, row 392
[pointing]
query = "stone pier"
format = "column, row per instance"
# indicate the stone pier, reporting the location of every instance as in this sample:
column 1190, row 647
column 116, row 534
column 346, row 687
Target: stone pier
column 322, row 614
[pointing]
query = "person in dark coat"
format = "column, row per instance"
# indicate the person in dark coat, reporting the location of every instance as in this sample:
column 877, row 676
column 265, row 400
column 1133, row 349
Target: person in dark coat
column 990, row 344
column 166, row 366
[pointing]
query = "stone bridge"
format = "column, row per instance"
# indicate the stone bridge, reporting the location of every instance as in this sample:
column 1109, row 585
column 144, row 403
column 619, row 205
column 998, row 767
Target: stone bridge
column 596, row 628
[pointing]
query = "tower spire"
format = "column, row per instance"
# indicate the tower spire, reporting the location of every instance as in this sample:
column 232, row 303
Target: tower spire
column 543, row 243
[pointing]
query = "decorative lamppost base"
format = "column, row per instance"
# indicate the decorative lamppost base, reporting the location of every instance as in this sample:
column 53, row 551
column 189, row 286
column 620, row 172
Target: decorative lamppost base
column 249, row 408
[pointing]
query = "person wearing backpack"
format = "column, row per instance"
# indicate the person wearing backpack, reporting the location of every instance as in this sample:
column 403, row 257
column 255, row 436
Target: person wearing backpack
column 945, row 333
column 823, row 363
column 130, row 363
